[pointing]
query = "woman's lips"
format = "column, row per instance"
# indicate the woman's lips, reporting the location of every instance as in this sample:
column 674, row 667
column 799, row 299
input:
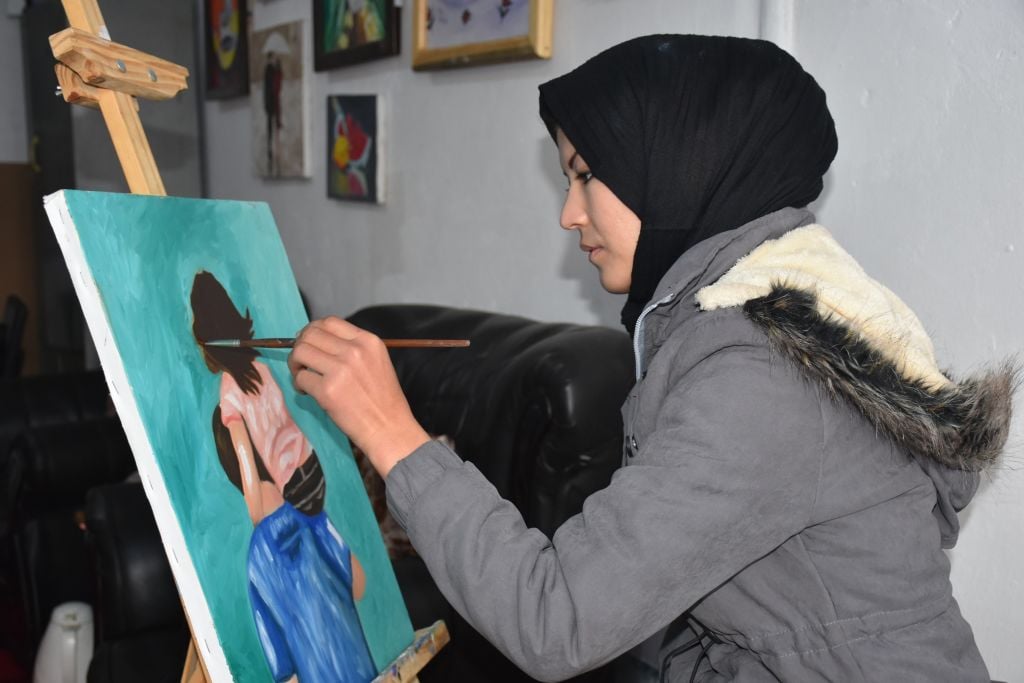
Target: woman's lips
column 592, row 252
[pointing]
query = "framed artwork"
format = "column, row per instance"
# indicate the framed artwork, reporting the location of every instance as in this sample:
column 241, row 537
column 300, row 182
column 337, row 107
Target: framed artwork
column 227, row 48
column 351, row 31
column 260, row 506
column 450, row 33
column 278, row 95
column 354, row 159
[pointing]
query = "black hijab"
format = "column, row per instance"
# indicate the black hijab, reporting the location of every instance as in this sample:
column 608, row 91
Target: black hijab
column 696, row 135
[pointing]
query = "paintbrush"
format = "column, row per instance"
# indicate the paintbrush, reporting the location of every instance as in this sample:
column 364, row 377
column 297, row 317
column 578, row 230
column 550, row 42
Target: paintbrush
column 288, row 342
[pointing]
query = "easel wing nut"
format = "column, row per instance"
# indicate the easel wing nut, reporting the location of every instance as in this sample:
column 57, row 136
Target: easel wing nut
column 113, row 66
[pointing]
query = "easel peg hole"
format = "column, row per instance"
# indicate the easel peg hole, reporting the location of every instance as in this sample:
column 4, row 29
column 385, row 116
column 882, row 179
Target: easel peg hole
column 152, row 75
column 120, row 66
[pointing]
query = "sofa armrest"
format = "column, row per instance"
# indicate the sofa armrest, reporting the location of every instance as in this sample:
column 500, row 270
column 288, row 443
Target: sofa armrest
column 137, row 593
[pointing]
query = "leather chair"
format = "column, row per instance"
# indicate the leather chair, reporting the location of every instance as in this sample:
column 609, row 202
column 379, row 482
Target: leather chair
column 46, row 466
column 57, row 464
column 141, row 631
column 30, row 402
column 12, row 331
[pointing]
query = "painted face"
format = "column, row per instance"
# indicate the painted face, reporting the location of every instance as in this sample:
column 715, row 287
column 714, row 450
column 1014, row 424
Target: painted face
column 608, row 229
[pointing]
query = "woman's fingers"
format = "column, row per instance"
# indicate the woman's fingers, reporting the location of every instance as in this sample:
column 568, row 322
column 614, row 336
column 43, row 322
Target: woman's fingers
column 308, row 382
column 348, row 372
column 332, row 326
column 312, row 356
column 341, row 328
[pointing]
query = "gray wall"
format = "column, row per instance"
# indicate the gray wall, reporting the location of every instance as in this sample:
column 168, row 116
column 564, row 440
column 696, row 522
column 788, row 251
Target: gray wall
column 13, row 131
column 926, row 193
column 171, row 127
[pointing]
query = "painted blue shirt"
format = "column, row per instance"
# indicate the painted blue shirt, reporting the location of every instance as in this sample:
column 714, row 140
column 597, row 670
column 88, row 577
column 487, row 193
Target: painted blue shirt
column 300, row 587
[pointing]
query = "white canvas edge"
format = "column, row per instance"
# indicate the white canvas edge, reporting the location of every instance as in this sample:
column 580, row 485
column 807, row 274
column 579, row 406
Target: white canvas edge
column 145, row 459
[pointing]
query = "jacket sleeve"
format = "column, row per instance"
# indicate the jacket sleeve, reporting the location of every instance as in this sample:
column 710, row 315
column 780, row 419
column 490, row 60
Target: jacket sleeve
column 727, row 475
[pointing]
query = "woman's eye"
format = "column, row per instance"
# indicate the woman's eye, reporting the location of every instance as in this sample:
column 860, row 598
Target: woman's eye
column 582, row 176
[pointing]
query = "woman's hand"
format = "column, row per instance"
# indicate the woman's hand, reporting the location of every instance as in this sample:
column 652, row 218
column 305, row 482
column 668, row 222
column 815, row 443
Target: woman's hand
column 349, row 373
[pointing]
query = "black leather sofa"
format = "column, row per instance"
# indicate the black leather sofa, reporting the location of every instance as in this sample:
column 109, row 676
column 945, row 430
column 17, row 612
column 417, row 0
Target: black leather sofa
column 57, row 440
column 534, row 405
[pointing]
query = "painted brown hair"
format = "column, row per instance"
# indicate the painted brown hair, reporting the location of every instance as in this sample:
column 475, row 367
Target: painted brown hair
column 214, row 316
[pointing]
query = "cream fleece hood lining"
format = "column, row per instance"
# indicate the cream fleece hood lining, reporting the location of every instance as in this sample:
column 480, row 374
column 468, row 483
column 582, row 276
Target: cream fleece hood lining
column 810, row 260
column 863, row 345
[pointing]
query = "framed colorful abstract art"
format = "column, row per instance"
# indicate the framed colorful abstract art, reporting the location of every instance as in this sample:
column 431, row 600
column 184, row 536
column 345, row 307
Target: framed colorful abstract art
column 450, row 33
column 273, row 543
column 278, row 99
column 355, row 168
column 352, row 31
column 227, row 48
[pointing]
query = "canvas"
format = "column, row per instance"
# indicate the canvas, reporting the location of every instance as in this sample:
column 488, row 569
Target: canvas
column 260, row 505
column 449, row 33
column 277, row 95
column 353, row 31
column 227, row 48
column 458, row 22
column 354, row 157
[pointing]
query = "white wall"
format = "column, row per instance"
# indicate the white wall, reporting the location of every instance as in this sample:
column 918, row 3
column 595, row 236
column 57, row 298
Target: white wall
column 13, row 131
column 926, row 192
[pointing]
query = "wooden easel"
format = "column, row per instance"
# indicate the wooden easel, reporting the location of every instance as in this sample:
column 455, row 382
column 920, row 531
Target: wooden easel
column 95, row 72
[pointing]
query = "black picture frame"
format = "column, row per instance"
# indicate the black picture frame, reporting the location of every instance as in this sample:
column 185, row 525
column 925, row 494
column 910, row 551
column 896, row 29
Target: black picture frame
column 232, row 82
column 365, row 182
column 389, row 45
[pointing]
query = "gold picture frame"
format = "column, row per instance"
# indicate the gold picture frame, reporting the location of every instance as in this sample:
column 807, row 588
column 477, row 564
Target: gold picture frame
column 534, row 41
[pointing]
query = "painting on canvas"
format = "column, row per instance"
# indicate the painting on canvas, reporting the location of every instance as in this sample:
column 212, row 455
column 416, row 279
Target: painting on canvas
column 260, row 505
column 227, row 48
column 459, row 22
column 277, row 94
column 449, row 33
column 354, row 161
column 353, row 31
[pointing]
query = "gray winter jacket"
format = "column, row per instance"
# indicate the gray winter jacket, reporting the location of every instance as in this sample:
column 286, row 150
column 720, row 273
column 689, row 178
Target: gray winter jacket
column 780, row 485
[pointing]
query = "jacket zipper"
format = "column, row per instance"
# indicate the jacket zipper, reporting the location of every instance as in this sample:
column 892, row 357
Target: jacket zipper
column 637, row 331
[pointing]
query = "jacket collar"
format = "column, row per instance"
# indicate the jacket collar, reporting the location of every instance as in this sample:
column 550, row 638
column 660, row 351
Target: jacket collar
column 673, row 302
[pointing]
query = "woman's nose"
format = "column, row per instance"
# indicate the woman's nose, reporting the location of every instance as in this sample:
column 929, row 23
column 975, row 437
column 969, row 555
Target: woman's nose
column 573, row 213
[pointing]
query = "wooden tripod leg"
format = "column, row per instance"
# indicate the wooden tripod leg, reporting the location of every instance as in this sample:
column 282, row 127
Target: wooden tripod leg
column 130, row 143
column 193, row 671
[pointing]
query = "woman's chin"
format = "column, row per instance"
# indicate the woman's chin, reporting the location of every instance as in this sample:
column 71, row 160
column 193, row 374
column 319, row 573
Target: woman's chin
column 614, row 285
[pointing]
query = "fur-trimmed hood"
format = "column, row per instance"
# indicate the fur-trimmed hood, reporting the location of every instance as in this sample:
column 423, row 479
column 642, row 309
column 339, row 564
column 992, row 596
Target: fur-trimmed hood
column 863, row 345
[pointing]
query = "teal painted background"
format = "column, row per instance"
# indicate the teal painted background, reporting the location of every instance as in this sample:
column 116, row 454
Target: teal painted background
column 143, row 253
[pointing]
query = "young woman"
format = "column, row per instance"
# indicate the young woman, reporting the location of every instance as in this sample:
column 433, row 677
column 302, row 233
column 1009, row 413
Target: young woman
column 303, row 579
column 794, row 457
